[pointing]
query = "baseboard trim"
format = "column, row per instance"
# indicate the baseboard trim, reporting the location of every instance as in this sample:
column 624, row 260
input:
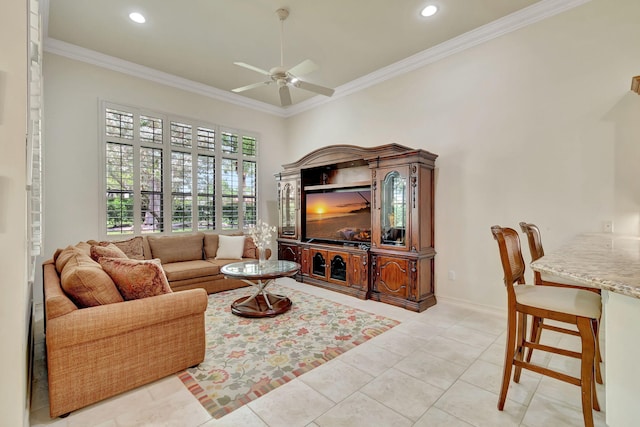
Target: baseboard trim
column 481, row 307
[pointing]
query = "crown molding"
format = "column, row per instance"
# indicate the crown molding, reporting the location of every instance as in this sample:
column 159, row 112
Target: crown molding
column 98, row 59
column 515, row 21
column 522, row 18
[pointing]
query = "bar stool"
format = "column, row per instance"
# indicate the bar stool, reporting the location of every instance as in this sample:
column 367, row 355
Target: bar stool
column 537, row 325
column 568, row 305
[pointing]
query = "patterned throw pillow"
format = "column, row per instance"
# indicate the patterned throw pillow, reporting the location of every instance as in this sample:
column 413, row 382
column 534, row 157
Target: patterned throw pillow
column 109, row 251
column 136, row 279
column 132, row 247
column 250, row 249
column 230, row 247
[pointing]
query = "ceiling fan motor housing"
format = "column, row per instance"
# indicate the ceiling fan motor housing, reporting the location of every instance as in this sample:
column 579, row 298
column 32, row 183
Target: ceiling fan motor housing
column 283, row 13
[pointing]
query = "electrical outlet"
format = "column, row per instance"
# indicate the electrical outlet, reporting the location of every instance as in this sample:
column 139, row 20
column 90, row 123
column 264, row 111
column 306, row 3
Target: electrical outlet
column 607, row 226
column 452, row 275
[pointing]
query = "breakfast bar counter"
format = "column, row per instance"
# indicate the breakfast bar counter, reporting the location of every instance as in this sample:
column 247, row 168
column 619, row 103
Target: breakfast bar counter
column 611, row 263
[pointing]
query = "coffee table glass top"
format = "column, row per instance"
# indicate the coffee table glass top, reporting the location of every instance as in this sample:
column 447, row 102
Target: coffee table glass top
column 260, row 270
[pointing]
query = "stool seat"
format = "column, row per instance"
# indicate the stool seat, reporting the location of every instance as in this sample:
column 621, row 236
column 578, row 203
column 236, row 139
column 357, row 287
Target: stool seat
column 572, row 301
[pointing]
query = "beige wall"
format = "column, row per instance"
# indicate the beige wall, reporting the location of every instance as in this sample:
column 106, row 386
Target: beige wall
column 538, row 125
column 72, row 149
column 14, row 301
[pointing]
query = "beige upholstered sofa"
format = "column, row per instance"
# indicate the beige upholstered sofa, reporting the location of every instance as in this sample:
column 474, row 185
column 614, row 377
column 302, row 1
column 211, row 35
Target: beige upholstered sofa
column 97, row 352
column 100, row 344
column 191, row 260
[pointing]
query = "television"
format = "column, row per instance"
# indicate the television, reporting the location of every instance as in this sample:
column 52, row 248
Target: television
column 338, row 215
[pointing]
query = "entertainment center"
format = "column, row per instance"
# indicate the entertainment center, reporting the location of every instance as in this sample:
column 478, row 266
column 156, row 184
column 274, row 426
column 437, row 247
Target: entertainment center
column 359, row 220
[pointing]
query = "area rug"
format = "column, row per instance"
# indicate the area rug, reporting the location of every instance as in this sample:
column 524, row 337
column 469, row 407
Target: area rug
column 247, row 358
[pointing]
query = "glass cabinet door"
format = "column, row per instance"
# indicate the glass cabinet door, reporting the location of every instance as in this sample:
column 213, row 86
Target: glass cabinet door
column 393, row 209
column 288, row 212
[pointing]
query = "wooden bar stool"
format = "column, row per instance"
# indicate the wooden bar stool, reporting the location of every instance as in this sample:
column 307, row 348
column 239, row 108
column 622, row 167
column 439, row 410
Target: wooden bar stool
column 569, row 305
column 537, row 325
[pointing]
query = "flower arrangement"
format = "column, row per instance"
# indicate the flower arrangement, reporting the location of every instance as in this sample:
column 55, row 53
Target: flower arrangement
column 261, row 235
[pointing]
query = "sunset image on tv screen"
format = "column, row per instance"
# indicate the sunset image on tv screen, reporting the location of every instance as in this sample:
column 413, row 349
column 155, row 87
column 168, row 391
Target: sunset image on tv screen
column 339, row 215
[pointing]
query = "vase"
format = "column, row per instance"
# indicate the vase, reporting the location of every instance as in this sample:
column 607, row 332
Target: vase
column 262, row 256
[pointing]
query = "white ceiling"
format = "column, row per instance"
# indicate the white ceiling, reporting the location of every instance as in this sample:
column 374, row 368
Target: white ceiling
column 351, row 40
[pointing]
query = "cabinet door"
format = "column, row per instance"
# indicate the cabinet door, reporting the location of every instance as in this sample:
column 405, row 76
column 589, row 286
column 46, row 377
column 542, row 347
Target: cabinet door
column 288, row 252
column 304, row 261
column 392, row 276
column 338, row 267
column 358, row 276
column 318, row 264
column 391, row 210
column 288, row 208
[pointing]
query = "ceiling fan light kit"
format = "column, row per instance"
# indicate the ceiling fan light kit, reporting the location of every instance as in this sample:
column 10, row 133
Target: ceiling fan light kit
column 284, row 77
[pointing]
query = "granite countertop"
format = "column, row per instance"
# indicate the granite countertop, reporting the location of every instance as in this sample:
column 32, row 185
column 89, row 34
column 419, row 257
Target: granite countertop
column 604, row 260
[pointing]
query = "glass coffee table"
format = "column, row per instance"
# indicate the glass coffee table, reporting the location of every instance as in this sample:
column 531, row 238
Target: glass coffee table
column 258, row 274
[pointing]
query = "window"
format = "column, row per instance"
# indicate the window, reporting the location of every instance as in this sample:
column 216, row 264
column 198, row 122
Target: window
column 166, row 174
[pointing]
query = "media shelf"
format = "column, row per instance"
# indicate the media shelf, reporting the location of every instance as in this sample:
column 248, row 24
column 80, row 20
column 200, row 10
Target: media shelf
column 359, row 220
column 325, row 187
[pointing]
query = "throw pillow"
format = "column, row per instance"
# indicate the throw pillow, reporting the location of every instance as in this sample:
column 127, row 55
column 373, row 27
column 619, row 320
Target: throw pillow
column 133, row 247
column 85, row 282
column 186, row 247
column 250, row 249
column 230, row 247
column 109, row 251
column 137, row 279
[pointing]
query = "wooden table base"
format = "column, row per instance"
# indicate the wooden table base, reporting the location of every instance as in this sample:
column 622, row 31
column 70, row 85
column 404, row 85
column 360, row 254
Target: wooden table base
column 258, row 306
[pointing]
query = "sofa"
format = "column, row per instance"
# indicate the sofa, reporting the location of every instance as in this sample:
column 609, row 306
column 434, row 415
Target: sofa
column 121, row 314
column 194, row 260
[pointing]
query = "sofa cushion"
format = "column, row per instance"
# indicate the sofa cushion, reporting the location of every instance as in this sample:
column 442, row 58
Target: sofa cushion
column 136, row 279
column 109, row 251
column 168, row 249
column 230, row 247
column 210, row 245
column 85, row 282
column 61, row 256
column 219, row 263
column 190, row 270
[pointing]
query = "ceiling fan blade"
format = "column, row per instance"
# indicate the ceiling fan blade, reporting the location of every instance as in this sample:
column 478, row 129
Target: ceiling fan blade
column 251, row 67
column 247, row 87
column 305, row 67
column 314, row 88
column 285, row 95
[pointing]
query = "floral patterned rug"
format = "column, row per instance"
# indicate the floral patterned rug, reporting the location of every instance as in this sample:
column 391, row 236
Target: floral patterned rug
column 247, row 358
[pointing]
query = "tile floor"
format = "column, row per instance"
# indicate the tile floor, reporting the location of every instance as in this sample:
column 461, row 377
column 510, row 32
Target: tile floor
column 441, row 367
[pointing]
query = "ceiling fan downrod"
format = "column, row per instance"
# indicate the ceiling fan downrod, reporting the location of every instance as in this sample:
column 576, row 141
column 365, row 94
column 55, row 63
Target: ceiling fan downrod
column 282, row 15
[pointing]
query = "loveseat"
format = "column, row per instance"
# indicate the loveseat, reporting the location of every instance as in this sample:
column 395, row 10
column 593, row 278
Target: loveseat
column 116, row 318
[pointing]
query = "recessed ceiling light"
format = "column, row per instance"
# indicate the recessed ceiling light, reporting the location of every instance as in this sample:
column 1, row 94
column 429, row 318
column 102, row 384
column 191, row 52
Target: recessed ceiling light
column 137, row 17
column 430, row 10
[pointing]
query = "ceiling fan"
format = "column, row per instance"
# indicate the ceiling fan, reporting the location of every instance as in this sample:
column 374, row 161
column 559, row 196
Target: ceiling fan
column 283, row 77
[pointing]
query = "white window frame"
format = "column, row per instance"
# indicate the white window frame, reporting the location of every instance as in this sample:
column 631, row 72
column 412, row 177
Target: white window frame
column 166, row 166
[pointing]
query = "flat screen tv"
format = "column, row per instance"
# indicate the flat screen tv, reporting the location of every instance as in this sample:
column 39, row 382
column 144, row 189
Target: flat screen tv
column 339, row 215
